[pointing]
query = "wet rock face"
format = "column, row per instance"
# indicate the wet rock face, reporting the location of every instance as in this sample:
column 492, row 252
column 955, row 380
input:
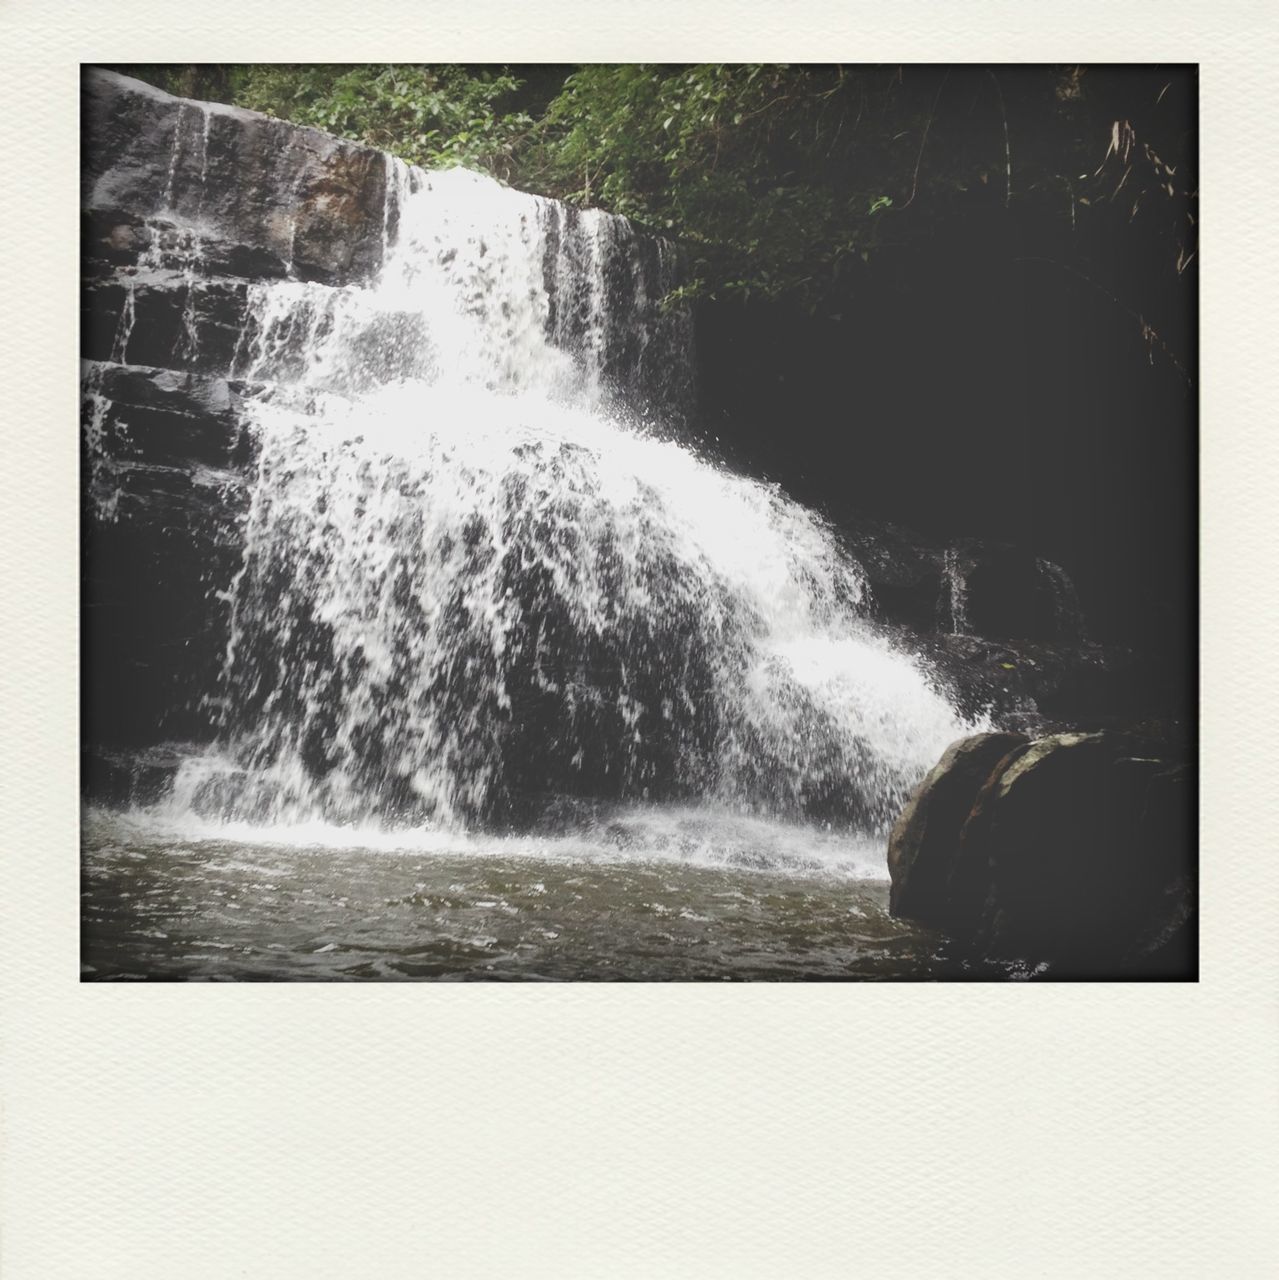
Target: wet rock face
column 266, row 198
column 1075, row 851
column 186, row 207
column 128, row 779
column 922, row 844
column 1004, row 631
column 974, row 596
column 1043, row 687
column 1005, row 594
column 165, row 488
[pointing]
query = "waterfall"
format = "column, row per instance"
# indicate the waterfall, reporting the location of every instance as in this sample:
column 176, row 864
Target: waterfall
column 1068, row 617
column 955, row 594
column 480, row 566
column 102, row 490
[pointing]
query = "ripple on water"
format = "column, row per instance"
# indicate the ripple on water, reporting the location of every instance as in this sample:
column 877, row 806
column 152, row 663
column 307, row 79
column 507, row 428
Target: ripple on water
column 491, row 909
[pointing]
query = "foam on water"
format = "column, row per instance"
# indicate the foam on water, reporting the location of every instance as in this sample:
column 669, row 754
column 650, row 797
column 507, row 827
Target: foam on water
column 705, row 836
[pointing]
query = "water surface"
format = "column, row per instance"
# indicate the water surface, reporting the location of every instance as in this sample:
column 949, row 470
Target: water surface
column 658, row 896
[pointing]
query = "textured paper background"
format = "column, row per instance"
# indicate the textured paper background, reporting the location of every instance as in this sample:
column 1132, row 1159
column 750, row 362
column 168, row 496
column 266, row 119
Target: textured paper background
column 685, row 1131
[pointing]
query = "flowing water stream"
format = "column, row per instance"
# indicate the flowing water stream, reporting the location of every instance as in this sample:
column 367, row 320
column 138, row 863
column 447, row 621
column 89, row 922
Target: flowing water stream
column 518, row 684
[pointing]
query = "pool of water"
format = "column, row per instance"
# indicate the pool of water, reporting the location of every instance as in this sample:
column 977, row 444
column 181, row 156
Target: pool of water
column 649, row 896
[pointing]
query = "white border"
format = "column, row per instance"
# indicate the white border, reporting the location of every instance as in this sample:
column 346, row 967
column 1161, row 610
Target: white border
column 649, row 1132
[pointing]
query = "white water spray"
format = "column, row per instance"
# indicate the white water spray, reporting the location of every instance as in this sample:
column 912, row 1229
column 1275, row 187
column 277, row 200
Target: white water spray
column 477, row 573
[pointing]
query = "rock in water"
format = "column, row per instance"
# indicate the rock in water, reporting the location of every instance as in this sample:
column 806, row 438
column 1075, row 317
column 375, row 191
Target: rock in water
column 1168, row 946
column 1073, row 850
column 925, row 839
column 1079, row 852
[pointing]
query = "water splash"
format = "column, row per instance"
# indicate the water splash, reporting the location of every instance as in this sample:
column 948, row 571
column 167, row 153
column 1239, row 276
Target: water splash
column 477, row 573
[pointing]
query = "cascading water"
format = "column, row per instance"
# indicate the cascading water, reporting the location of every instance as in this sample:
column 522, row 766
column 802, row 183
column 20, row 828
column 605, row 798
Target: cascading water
column 954, row 599
column 479, row 572
column 1068, row 617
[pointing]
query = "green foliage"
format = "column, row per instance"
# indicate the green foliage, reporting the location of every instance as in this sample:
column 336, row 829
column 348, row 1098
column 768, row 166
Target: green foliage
column 436, row 116
column 746, row 163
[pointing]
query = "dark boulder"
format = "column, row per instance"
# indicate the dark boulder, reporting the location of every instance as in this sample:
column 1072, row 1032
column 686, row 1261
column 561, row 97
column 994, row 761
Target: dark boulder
column 1083, row 847
column 924, row 840
column 1074, row 852
column 1167, row 944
